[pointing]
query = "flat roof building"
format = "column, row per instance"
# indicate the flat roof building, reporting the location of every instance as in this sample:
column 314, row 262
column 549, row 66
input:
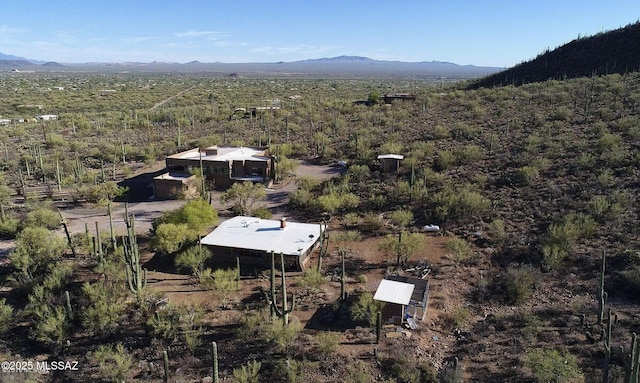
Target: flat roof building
column 224, row 165
column 253, row 239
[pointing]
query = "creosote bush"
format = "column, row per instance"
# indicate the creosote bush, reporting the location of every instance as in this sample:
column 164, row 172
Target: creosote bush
column 554, row 366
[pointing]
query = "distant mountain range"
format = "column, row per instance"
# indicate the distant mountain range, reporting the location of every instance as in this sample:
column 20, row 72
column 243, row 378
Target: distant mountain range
column 341, row 66
column 615, row 51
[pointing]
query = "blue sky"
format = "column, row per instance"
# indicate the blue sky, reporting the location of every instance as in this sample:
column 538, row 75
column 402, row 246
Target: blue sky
column 480, row 32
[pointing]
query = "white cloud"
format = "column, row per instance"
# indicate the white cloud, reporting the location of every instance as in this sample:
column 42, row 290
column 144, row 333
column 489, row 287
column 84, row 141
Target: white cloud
column 210, row 35
column 141, row 39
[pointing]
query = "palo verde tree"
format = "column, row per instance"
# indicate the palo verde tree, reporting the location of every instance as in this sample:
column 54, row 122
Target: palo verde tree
column 244, row 196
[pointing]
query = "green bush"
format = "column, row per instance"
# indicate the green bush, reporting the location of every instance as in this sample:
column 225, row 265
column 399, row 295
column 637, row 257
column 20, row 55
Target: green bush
column 366, row 309
column 249, row 373
column 553, row 366
column 401, row 218
column 43, row 217
column 114, row 363
column 519, row 283
column 6, row 313
column 327, row 342
column 312, row 278
column 194, row 259
column 526, row 174
column 170, row 237
column 104, row 309
column 460, row 249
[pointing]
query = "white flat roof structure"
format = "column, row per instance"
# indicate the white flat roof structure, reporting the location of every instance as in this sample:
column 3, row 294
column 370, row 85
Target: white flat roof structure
column 223, row 154
column 394, row 292
column 390, row 156
column 253, row 233
column 178, row 176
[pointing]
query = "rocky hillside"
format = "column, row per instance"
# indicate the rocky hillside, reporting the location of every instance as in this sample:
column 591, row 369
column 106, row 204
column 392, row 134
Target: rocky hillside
column 616, row 51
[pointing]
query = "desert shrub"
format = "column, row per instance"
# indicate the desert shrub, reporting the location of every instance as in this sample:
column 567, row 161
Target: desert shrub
column 459, row 248
column 262, row 212
column 165, row 324
column 526, row 174
column 346, row 236
column 371, row 222
column 401, row 218
column 243, row 195
column 630, row 279
column 101, row 193
column 222, row 281
column 170, row 237
column 462, row 131
column 36, row 248
column 460, row 316
column 113, row 362
column 43, row 217
column 51, row 326
column 561, row 237
column 249, row 373
column 468, row 154
column 359, row 173
column 403, row 245
column 194, row 259
column 459, row 204
column 358, row 372
column 6, row 313
column 335, row 201
column 104, row 307
column 444, row 160
column 497, row 231
column 9, row 227
column 301, row 199
column 519, row 282
column 312, row 278
column 553, row 366
column 366, row 309
column 440, row 132
column 327, row 342
column 193, row 338
column 198, row 215
column 282, row 336
column 406, row 368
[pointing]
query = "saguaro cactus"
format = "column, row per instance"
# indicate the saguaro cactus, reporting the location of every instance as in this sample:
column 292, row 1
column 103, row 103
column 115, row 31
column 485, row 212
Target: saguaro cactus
column 632, row 372
column 607, row 349
column 602, row 295
column 214, row 357
column 286, row 310
column 136, row 276
column 165, row 362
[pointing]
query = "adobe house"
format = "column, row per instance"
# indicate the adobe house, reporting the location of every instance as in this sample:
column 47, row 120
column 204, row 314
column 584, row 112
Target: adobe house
column 390, row 163
column 252, row 240
column 390, row 97
column 224, row 165
column 174, row 185
column 405, row 297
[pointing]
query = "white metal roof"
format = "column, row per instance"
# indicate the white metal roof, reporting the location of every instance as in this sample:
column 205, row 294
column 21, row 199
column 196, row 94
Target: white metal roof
column 224, row 154
column 394, row 292
column 390, row 156
column 264, row 235
column 174, row 176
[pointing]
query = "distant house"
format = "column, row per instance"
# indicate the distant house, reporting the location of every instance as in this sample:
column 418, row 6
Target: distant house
column 405, row 297
column 389, row 98
column 174, row 185
column 253, row 239
column 390, row 163
column 4, row 121
column 224, row 165
column 47, row 117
